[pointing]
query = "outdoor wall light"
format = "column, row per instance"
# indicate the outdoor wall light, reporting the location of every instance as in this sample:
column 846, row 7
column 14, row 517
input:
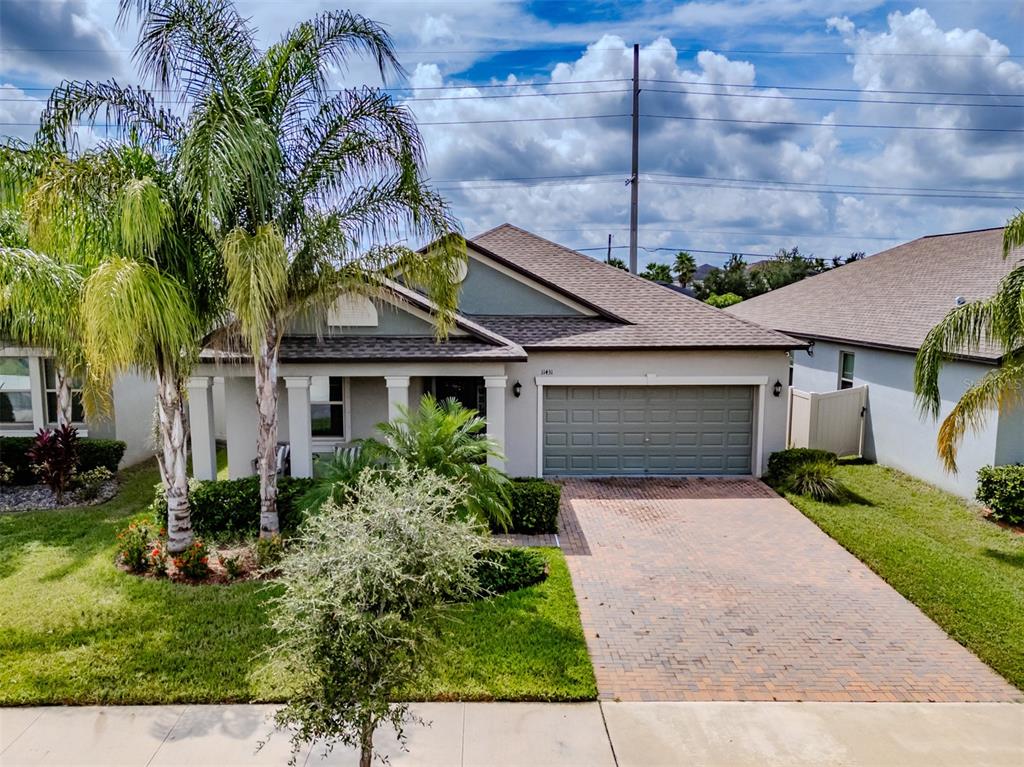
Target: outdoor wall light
column 777, row 388
column 810, row 348
column 517, row 389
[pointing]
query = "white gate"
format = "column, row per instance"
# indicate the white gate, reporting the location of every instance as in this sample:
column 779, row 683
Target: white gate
column 832, row 421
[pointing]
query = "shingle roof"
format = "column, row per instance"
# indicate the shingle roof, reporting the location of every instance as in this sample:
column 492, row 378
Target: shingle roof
column 652, row 316
column 891, row 299
column 383, row 349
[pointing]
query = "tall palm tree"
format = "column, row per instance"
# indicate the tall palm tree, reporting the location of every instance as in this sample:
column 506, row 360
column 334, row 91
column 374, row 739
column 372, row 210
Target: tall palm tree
column 997, row 320
column 303, row 188
column 684, row 267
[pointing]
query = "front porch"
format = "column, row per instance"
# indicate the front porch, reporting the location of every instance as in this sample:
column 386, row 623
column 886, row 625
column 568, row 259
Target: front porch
column 325, row 406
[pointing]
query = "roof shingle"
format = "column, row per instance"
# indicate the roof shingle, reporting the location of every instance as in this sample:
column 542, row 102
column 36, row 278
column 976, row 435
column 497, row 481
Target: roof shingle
column 891, row 299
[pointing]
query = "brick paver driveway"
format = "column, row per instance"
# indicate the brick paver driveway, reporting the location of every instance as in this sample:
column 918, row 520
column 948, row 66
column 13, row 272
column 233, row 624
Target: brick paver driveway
column 717, row 589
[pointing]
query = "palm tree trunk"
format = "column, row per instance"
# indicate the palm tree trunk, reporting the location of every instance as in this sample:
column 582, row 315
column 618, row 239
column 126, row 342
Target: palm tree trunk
column 266, row 438
column 172, row 457
column 63, row 397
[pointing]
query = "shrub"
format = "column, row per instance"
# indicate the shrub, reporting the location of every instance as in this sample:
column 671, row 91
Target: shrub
column 533, row 505
column 194, row 562
column 499, row 571
column 232, row 566
column 723, row 300
column 782, row 463
column 817, row 480
column 91, row 453
column 6, row 475
column 133, row 547
column 360, row 595
column 334, row 475
column 1001, row 489
column 88, row 484
column 158, row 559
column 269, row 551
column 54, row 455
column 231, row 508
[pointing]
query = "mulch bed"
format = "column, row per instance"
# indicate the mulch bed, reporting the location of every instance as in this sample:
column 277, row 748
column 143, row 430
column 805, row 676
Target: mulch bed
column 32, row 497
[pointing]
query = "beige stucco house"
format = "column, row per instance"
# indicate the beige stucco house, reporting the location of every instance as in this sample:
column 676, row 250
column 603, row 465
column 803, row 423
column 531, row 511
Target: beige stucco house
column 579, row 367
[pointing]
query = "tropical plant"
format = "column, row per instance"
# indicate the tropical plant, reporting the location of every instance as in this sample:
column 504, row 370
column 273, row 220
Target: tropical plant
column 335, row 476
column 88, row 484
column 618, row 263
column 302, row 189
column 657, row 272
column 684, row 267
column 359, row 590
column 194, row 562
column 134, row 548
column 450, row 440
column 817, row 480
column 54, row 455
column 999, row 321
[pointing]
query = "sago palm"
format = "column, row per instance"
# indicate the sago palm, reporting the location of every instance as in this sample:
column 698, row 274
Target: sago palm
column 450, row 440
column 304, row 189
column 998, row 320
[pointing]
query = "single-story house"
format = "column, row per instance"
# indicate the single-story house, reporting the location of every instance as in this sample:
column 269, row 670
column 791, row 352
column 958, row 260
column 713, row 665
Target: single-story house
column 580, row 369
column 864, row 323
column 28, row 402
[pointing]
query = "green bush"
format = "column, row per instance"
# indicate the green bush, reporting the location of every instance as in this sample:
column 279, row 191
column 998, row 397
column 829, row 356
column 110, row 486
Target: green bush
column 194, row 562
column 723, row 300
column 269, row 551
column 133, row 547
column 533, row 506
column 1001, row 489
column 499, row 571
column 782, row 464
column 231, row 508
column 87, row 484
column 91, row 454
column 817, row 480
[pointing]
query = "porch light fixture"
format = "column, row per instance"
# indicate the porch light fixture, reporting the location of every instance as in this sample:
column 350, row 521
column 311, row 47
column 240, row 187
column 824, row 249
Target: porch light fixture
column 777, row 388
column 517, row 389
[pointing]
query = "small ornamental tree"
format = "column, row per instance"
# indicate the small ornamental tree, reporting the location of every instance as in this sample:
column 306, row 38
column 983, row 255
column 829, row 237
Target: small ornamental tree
column 359, row 589
column 54, row 457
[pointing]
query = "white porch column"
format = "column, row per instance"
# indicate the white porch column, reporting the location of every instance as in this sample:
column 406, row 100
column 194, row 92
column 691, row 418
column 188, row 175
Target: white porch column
column 241, row 421
column 37, row 384
column 200, row 424
column 300, row 428
column 495, row 386
column 398, row 394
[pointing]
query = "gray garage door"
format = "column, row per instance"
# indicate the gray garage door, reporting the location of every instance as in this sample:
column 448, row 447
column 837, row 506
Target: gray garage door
column 648, row 429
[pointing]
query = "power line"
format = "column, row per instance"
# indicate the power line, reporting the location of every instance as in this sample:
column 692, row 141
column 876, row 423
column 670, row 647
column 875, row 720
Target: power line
column 841, row 186
column 598, row 225
column 682, row 247
column 785, row 97
column 714, row 185
column 799, row 123
column 837, row 90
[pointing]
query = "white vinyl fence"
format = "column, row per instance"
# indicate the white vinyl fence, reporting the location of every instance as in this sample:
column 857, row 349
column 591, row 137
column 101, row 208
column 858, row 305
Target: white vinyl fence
column 831, row 421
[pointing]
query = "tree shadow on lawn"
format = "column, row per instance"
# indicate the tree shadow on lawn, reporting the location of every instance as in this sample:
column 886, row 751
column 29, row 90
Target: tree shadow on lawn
column 1014, row 559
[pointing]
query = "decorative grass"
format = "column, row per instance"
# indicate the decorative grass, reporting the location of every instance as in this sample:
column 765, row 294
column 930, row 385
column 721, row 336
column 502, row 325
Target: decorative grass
column 965, row 572
column 76, row 630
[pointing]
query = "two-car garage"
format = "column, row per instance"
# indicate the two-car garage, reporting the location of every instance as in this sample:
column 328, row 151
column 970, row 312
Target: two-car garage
column 661, row 430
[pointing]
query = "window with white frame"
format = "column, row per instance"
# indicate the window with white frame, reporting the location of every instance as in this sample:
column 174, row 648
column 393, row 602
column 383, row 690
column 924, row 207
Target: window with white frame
column 845, row 370
column 327, row 406
column 15, row 393
column 50, row 378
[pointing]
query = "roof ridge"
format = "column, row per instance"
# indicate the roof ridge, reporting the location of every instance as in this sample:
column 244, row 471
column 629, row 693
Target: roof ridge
column 954, row 234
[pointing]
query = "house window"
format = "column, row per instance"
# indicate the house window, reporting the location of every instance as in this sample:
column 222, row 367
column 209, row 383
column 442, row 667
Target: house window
column 845, row 370
column 15, row 393
column 327, row 406
column 50, row 376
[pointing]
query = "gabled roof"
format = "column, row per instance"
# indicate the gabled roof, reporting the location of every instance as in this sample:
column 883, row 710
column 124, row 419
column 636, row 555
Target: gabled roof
column 637, row 313
column 892, row 299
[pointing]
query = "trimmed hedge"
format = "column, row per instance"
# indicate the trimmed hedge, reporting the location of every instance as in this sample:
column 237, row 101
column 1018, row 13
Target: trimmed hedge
column 1001, row 489
column 230, row 508
column 499, row 571
column 92, row 453
column 533, row 505
column 782, row 464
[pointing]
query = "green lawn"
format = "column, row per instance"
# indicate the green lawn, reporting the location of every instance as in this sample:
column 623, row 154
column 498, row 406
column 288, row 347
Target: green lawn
column 964, row 572
column 74, row 629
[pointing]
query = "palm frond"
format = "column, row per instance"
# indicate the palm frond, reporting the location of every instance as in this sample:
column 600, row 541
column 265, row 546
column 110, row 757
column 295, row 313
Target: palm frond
column 1013, row 234
column 999, row 389
column 257, row 279
column 145, row 217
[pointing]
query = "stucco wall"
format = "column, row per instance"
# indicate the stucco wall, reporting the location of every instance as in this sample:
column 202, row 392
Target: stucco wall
column 134, row 405
column 1010, row 440
column 895, row 433
column 487, row 291
column 521, row 413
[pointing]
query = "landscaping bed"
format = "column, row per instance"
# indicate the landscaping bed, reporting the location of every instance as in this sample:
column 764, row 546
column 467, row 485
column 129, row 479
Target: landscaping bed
column 938, row 551
column 75, row 629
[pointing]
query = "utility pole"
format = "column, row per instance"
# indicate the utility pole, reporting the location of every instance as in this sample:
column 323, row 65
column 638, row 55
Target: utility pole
column 608, row 259
column 634, row 179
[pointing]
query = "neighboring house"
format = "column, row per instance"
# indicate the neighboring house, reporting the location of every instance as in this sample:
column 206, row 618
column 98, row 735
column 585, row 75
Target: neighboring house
column 28, row 402
column 579, row 367
column 866, row 322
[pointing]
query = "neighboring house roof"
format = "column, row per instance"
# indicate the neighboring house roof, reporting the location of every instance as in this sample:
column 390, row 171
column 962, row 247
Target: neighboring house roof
column 637, row 313
column 892, row 299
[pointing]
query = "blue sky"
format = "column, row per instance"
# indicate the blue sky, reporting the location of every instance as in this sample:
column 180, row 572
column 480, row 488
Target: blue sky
column 859, row 45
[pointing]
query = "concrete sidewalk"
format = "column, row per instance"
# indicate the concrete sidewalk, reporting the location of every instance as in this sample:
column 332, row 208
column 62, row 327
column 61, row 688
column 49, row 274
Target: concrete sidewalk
column 542, row 735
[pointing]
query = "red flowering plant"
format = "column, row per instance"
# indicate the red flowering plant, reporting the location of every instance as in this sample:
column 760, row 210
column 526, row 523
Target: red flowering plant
column 133, row 546
column 194, row 562
column 158, row 559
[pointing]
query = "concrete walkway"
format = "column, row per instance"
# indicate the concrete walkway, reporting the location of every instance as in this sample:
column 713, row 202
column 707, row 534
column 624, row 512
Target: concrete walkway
column 541, row 735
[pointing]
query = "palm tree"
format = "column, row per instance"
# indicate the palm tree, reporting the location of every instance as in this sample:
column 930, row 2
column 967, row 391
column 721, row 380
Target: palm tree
column 684, row 267
column 997, row 320
column 301, row 188
column 450, row 440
